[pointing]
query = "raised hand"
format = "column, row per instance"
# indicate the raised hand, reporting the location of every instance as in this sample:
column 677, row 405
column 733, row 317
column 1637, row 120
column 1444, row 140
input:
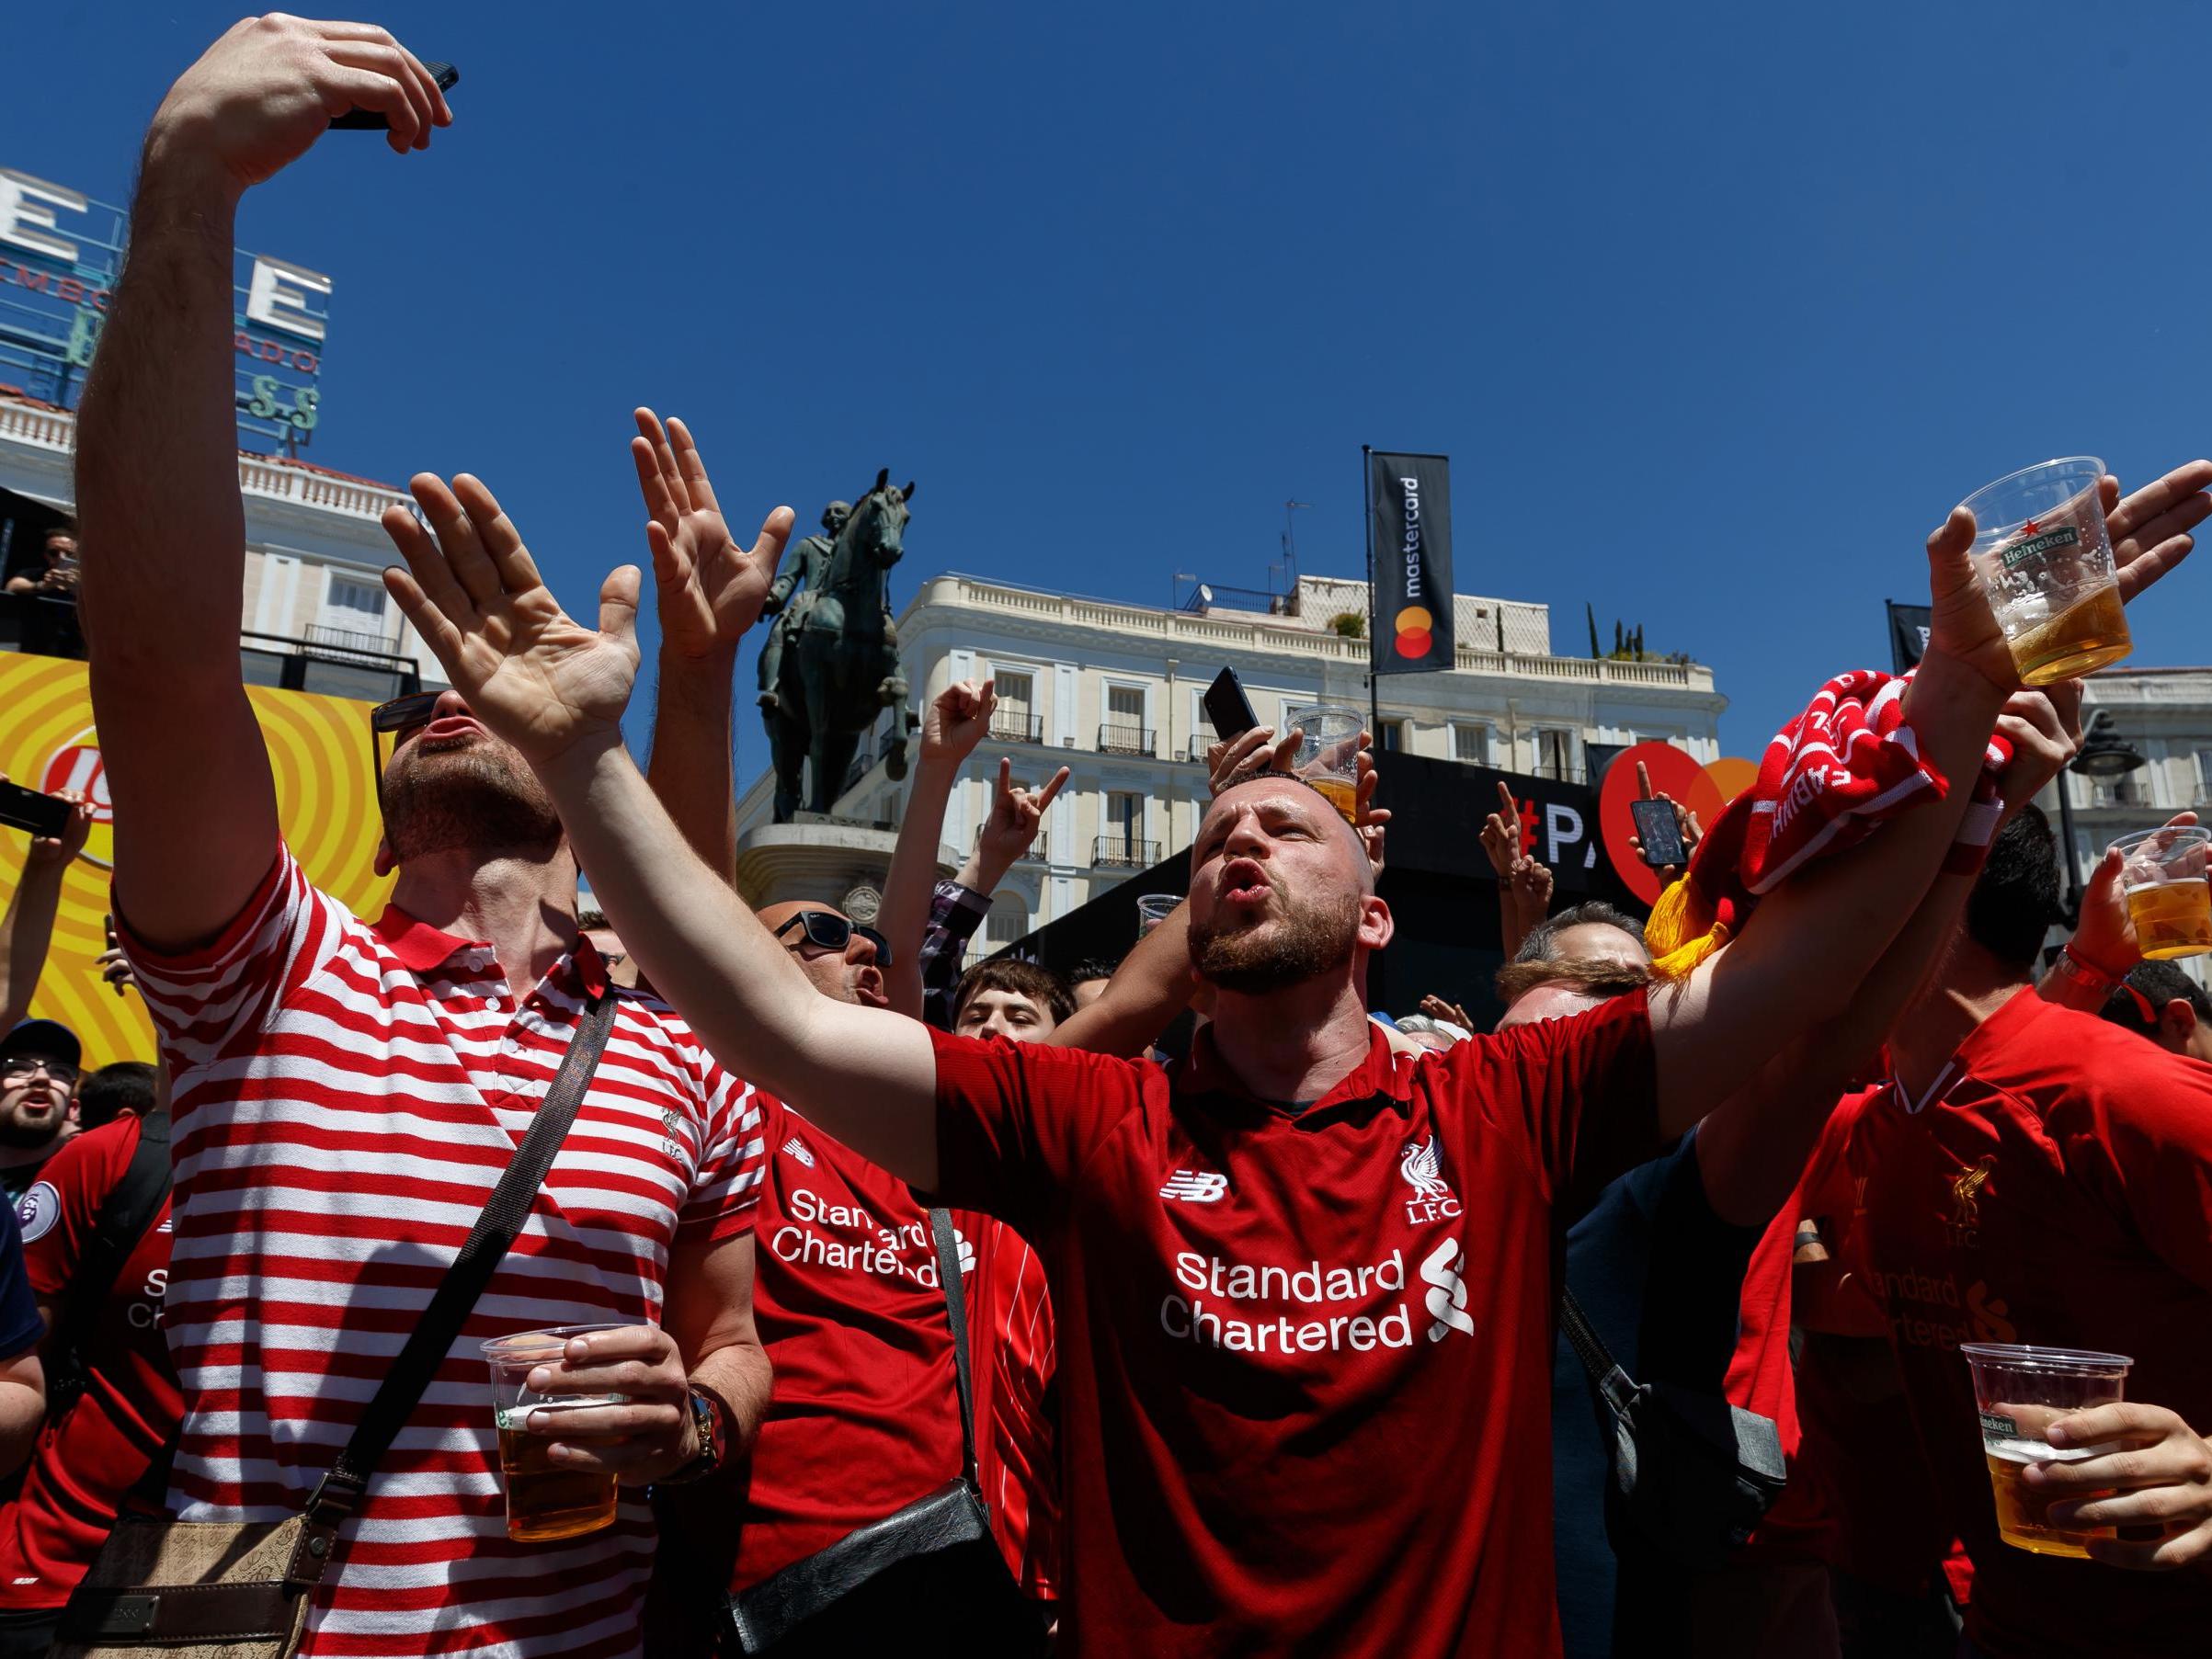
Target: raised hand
column 957, row 719
column 260, row 95
column 1241, row 756
column 2104, row 938
column 2044, row 725
column 2150, row 528
column 1962, row 626
column 1502, row 833
column 1015, row 814
column 537, row 678
column 710, row 589
column 1370, row 821
column 60, row 849
column 1436, row 1007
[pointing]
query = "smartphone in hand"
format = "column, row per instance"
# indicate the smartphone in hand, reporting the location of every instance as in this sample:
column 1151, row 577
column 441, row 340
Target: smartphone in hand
column 375, row 120
column 1227, row 706
column 1657, row 829
column 27, row 810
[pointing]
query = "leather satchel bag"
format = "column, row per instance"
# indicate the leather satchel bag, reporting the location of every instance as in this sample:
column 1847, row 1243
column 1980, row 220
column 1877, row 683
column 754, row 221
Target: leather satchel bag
column 946, row 1536
column 1692, row 1473
column 164, row 1589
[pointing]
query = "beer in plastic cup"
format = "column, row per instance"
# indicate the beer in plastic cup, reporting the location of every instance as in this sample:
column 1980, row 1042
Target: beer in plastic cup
column 1328, row 752
column 1153, row 908
column 544, row 1500
column 2045, row 559
column 2020, row 1391
column 2163, row 873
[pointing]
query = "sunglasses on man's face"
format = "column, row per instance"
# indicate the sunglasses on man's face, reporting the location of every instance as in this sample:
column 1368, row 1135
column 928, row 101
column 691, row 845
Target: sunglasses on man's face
column 825, row 931
column 17, row 1068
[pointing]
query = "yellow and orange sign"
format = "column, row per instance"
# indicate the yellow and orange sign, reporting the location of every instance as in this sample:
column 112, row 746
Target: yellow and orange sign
column 318, row 748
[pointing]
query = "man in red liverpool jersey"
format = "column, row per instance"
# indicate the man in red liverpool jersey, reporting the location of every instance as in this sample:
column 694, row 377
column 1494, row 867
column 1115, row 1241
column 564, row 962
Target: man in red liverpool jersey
column 1303, row 1285
column 2033, row 1174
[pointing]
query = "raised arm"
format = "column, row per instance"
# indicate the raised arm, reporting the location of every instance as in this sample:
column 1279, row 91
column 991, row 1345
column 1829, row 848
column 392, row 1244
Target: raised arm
column 1753, row 1146
column 709, row 591
column 157, row 463
column 556, row 691
column 955, row 724
column 27, row 930
column 1816, row 937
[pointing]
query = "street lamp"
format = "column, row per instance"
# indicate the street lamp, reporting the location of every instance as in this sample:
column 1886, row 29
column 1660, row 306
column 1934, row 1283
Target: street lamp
column 2105, row 754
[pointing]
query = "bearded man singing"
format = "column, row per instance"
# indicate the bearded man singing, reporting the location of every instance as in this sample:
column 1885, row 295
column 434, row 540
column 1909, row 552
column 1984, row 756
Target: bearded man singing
column 1304, row 1284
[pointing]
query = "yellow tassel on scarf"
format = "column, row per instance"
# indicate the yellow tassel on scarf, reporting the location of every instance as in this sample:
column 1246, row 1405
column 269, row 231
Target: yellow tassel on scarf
column 1683, row 930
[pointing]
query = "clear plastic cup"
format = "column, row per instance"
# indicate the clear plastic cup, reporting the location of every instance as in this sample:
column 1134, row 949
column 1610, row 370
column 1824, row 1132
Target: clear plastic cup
column 544, row 1500
column 2163, row 873
column 2020, row 1391
column 2045, row 560
column 1153, row 908
column 1328, row 752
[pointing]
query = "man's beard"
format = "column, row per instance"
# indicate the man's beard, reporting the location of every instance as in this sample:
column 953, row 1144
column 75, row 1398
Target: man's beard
column 1312, row 937
column 19, row 1136
column 477, row 798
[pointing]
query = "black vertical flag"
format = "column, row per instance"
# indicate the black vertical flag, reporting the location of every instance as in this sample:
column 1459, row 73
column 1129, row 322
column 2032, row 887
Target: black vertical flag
column 1909, row 627
column 1409, row 530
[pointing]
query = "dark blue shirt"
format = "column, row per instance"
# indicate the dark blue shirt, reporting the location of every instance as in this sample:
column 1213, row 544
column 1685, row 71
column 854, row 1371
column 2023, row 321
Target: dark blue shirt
column 20, row 1327
column 1660, row 1276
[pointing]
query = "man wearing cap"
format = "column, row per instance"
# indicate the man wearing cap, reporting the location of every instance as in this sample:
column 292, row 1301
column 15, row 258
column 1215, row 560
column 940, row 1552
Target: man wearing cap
column 38, row 1062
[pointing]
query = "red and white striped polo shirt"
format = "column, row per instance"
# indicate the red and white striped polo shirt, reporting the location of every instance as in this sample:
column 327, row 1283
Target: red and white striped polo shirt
column 346, row 1096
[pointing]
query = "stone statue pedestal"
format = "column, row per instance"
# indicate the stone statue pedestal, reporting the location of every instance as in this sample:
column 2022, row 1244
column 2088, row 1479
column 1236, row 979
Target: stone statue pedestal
column 832, row 861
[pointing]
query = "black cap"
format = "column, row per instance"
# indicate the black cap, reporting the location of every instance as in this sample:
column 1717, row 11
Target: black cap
column 46, row 1037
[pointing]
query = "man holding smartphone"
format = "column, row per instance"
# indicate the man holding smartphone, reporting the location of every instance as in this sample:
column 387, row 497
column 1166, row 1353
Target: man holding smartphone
column 348, row 1090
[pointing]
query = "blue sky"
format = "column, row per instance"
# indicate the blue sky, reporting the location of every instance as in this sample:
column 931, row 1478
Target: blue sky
column 1716, row 309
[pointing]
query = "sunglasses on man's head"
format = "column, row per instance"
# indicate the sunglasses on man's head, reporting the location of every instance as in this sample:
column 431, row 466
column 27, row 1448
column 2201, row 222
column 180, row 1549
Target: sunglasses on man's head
column 826, row 931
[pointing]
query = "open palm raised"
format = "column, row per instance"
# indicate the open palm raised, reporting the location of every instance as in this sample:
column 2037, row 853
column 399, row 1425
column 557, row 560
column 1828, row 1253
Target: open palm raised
column 710, row 589
column 530, row 672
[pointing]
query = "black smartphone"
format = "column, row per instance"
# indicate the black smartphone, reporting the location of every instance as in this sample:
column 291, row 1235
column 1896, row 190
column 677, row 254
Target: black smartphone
column 27, row 810
column 375, row 120
column 1656, row 827
column 1227, row 706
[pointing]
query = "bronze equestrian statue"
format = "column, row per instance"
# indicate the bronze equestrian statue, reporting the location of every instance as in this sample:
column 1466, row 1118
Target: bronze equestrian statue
column 830, row 665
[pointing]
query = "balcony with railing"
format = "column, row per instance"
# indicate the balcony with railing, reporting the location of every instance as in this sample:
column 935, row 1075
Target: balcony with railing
column 1124, row 852
column 1015, row 726
column 1117, row 739
column 1039, row 851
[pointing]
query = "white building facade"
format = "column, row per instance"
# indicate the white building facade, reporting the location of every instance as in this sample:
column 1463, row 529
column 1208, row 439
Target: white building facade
column 1113, row 692
column 2164, row 715
column 317, row 616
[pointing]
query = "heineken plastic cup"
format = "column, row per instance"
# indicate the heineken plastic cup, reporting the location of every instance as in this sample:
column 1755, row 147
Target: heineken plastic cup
column 2020, row 1391
column 2045, row 560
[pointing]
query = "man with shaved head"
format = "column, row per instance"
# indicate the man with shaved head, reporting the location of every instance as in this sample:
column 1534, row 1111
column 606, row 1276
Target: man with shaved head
column 1304, row 1283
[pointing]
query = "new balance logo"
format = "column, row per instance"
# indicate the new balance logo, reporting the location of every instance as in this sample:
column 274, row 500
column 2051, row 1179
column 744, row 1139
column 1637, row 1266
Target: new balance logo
column 798, row 1149
column 1195, row 1185
column 1447, row 1290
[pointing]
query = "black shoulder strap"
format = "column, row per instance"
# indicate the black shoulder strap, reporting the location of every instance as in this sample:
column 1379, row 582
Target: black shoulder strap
column 479, row 1255
column 125, row 1214
column 956, row 1310
column 1604, row 1370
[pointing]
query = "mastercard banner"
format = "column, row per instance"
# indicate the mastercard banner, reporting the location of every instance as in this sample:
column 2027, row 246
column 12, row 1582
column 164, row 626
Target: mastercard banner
column 319, row 751
column 1409, row 536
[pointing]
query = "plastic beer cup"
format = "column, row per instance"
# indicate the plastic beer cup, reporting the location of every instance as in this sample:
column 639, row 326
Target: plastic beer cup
column 1153, row 908
column 544, row 1500
column 2163, row 873
column 2020, row 1391
column 1328, row 752
column 2045, row 559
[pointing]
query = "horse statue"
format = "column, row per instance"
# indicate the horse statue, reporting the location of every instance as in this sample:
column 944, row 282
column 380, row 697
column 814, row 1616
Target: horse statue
column 840, row 667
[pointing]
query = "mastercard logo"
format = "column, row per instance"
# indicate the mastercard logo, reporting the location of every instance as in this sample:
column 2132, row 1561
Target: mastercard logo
column 1412, row 627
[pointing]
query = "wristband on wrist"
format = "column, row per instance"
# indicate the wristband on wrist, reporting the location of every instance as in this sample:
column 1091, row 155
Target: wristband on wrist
column 2077, row 966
